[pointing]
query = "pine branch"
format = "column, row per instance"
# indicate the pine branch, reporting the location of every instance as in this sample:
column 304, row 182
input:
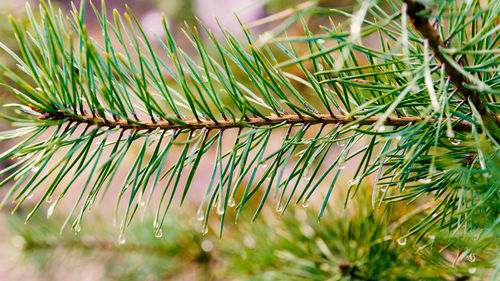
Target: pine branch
column 432, row 142
column 324, row 119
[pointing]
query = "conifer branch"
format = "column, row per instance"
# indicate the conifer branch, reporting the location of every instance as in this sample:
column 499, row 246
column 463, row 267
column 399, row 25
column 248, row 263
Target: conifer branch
column 433, row 102
column 459, row 125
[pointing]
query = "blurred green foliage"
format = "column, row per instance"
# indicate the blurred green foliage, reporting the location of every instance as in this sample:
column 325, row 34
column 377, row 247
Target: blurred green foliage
column 347, row 245
column 10, row 7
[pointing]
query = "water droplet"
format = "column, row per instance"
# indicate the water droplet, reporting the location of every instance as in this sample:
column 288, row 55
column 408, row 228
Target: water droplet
column 49, row 200
column 204, row 229
column 263, row 165
column 305, row 203
column 471, row 257
column 320, row 67
column 320, row 41
column 279, row 208
column 268, row 178
column 341, row 144
column 77, row 228
column 381, row 129
column 50, row 211
column 455, row 141
column 341, row 162
column 402, row 241
column 200, row 215
column 220, row 209
column 122, row 239
column 159, row 233
column 355, row 181
column 383, row 189
column 142, row 204
column 30, row 196
column 231, row 202
column 207, row 245
column 432, row 237
column 472, row 270
column 425, row 181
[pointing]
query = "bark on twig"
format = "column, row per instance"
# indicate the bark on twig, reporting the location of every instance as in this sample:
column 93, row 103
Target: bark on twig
column 459, row 125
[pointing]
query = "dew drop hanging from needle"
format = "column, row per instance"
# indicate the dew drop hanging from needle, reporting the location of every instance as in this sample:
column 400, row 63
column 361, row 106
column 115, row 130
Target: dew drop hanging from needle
column 50, row 211
column 220, row 209
column 355, row 181
column 341, row 163
column 122, row 239
column 279, row 207
column 204, row 229
column 402, row 241
column 305, row 203
column 200, row 214
column 231, row 202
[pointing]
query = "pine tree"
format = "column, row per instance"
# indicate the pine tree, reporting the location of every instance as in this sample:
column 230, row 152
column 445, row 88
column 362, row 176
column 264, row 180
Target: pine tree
column 419, row 111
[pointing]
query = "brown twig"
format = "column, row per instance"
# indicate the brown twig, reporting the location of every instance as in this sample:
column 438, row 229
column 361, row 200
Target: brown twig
column 459, row 125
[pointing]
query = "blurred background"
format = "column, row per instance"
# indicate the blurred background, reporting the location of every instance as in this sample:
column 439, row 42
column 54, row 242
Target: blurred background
column 350, row 243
